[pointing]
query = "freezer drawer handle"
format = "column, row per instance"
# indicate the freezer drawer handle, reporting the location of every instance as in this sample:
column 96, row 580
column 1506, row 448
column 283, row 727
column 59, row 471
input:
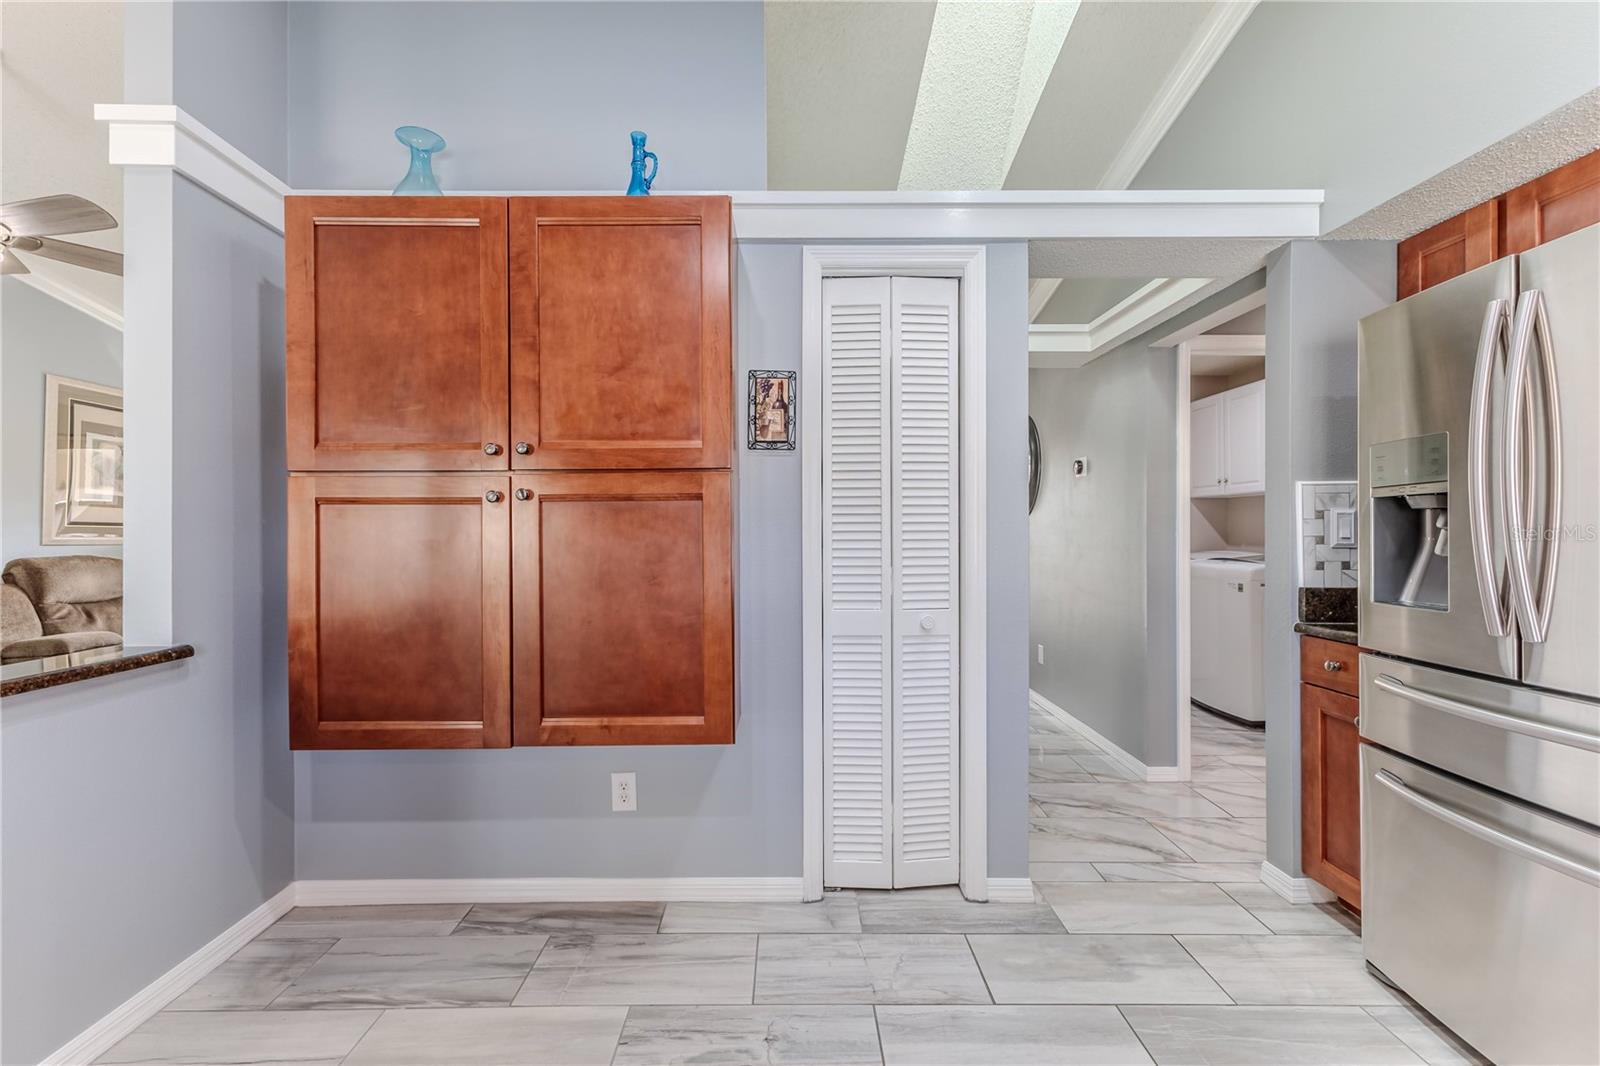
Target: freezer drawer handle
column 1489, row 834
column 1572, row 738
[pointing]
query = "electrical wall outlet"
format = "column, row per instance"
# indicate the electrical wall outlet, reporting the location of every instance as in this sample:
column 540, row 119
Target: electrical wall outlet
column 1041, row 654
column 624, row 792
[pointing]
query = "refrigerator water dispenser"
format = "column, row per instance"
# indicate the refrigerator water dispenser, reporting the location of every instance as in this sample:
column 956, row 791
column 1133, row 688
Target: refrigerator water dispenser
column 1410, row 483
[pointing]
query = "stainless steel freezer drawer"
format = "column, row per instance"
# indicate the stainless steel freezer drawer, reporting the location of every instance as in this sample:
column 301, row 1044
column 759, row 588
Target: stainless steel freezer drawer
column 1539, row 747
column 1487, row 912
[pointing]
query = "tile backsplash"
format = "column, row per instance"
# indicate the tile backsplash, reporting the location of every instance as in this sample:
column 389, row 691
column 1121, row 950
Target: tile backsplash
column 1327, row 543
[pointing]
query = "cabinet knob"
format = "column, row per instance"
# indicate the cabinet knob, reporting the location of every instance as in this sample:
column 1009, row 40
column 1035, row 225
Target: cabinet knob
column 494, row 496
column 491, row 448
column 926, row 623
column 524, row 494
column 1219, row 481
column 523, row 447
column 1333, row 666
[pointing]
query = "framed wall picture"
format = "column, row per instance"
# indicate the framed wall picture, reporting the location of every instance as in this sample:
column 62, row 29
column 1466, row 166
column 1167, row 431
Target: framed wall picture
column 82, row 463
column 772, row 410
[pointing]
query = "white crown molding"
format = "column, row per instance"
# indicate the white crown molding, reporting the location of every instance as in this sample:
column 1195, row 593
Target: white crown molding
column 1114, row 752
column 1293, row 889
column 1071, row 345
column 75, row 298
column 1039, row 292
column 547, row 890
column 1210, row 41
column 162, row 135
column 1248, row 302
column 98, row 1038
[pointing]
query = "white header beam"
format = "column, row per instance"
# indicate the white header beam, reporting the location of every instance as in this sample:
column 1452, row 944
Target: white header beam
column 165, row 135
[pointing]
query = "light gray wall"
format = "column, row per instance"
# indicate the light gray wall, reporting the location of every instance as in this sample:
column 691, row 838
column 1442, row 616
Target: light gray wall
column 229, row 72
column 42, row 336
column 1103, row 578
column 1317, row 291
column 1367, row 100
column 528, row 96
column 703, row 811
column 145, row 813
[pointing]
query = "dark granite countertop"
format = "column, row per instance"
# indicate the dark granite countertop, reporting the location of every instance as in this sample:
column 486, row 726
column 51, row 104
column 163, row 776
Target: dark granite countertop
column 1344, row 633
column 29, row 675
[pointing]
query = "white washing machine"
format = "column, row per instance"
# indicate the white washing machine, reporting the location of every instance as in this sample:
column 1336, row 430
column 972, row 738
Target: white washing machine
column 1226, row 589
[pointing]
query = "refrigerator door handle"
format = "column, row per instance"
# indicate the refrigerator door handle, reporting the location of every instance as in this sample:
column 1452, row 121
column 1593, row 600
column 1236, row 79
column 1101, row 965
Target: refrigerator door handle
column 1488, row 834
column 1529, row 327
column 1492, row 339
column 1572, row 738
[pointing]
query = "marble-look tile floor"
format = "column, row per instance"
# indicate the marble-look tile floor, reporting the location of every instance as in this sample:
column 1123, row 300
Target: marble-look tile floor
column 1151, row 940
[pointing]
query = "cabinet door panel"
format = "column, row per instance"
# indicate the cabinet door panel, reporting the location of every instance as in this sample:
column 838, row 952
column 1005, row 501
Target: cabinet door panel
column 1561, row 202
column 1330, row 791
column 1244, row 421
column 621, row 332
column 1451, row 248
column 399, row 611
column 624, row 608
column 1205, row 447
column 397, row 333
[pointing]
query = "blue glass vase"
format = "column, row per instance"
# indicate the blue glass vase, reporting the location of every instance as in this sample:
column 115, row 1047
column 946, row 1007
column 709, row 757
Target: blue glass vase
column 640, row 183
column 419, row 179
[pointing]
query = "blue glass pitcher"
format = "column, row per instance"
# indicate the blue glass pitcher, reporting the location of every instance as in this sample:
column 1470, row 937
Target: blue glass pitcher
column 640, row 184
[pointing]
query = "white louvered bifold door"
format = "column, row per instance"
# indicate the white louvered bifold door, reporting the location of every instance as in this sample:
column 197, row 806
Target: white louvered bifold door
column 890, row 614
column 923, row 539
column 857, row 581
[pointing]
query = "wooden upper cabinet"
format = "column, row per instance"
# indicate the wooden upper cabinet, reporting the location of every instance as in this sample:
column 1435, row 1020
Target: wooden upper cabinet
column 621, row 335
column 1453, row 247
column 399, row 611
column 624, row 608
column 1563, row 201
column 397, row 333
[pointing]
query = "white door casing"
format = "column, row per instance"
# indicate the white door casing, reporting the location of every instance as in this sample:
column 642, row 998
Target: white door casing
column 967, row 263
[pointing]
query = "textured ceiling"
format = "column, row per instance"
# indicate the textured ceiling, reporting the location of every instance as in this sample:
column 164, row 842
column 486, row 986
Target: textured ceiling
column 1179, row 257
column 61, row 59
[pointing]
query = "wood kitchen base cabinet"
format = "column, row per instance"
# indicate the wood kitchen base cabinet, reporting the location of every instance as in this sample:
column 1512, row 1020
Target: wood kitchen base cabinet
column 399, row 611
column 1330, row 771
column 623, row 597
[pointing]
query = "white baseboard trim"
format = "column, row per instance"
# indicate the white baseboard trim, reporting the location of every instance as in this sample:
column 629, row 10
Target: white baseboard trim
column 1110, row 748
column 1010, row 890
column 145, row 1003
column 1293, row 889
column 547, row 889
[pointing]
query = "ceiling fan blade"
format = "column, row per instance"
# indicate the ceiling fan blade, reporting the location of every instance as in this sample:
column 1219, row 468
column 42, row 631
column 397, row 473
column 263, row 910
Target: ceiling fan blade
column 55, row 214
column 67, row 252
column 10, row 264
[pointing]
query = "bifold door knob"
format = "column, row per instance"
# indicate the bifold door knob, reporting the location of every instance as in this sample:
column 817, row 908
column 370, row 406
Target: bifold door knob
column 494, row 496
column 491, row 448
column 524, row 494
column 926, row 623
column 523, row 447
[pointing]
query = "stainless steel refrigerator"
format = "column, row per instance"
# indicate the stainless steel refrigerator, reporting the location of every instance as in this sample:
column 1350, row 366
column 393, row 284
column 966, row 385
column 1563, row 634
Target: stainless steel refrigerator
column 1479, row 452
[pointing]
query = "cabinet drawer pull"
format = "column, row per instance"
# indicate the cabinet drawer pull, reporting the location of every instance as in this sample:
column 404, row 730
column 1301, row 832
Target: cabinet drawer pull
column 494, row 496
column 524, row 494
column 491, row 448
column 1332, row 665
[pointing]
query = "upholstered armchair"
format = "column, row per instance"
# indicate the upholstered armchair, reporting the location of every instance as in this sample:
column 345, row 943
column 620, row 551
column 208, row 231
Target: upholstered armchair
column 56, row 605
